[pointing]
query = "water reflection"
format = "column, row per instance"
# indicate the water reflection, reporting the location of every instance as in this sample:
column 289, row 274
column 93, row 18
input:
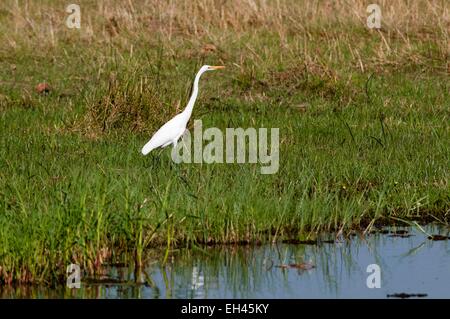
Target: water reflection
column 409, row 262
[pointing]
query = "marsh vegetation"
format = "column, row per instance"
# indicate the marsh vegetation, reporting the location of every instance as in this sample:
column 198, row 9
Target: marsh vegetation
column 363, row 117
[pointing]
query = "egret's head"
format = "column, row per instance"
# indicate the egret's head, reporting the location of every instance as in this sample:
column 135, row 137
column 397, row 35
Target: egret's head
column 212, row 67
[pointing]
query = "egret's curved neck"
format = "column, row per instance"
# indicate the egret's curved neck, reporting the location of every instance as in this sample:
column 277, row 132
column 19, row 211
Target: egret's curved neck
column 188, row 110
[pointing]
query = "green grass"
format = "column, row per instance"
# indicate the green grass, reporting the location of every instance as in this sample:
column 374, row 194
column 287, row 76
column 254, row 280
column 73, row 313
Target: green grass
column 356, row 146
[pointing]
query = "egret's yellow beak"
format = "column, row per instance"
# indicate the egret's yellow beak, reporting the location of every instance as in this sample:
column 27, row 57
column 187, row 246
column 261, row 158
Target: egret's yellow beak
column 216, row 67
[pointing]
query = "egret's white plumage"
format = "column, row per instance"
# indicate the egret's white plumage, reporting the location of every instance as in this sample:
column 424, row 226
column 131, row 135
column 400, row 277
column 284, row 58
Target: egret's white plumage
column 171, row 132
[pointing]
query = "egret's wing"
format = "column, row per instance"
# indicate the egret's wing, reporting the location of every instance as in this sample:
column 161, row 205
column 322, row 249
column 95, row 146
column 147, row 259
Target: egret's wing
column 160, row 138
column 166, row 134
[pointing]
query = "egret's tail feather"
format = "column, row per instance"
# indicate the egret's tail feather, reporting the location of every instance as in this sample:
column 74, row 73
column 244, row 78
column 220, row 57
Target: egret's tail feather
column 147, row 148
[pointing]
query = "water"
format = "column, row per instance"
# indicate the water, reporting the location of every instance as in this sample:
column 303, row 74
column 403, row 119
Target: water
column 409, row 263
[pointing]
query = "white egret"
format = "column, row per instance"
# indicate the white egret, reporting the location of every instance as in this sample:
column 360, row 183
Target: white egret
column 171, row 132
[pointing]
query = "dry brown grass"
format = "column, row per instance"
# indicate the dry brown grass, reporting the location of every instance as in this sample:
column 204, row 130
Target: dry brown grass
column 42, row 21
column 315, row 28
column 326, row 40
column 320, row 30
